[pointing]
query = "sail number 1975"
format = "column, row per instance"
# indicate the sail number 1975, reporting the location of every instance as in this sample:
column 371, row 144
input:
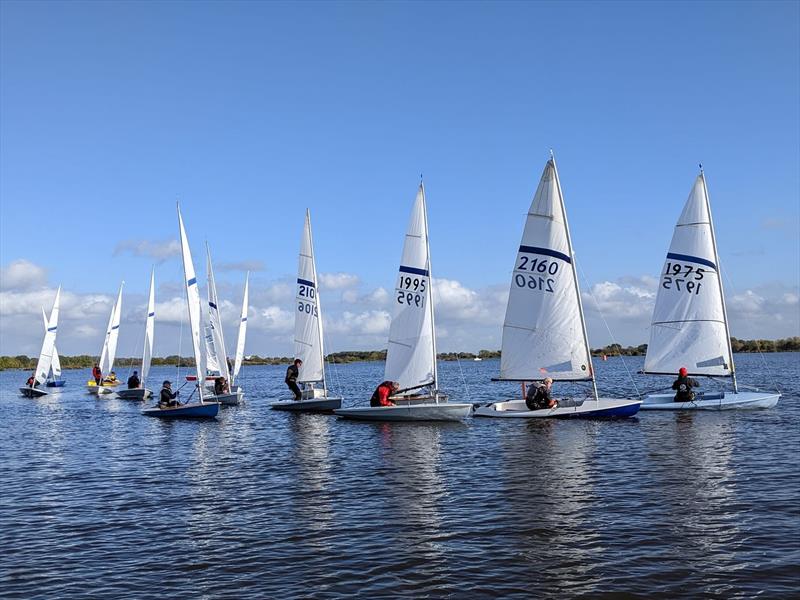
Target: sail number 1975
column 684, row 278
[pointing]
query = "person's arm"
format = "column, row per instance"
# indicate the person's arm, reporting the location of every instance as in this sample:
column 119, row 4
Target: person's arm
column 383, row 396
column 675, row 385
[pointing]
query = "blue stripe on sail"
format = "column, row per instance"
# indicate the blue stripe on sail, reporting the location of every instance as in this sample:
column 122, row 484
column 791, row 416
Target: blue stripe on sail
column 192, row 281
column 245, row 319
column 212, row 305
column 52, row 328
column 115, row 327
column 692, row 259
column 152, row 314
column 545, row 252
column 414, row 271
column 305, row 282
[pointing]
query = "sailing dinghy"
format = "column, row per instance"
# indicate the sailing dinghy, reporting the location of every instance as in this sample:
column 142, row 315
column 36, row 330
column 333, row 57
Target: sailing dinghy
column 690, row 322
column 308, row 345
column 216, row 357
column 544, row 332
column 200, row 408
column 411, row 355
column 240, row 338
column 109, row 351
column 142, row 392
column 44, row 364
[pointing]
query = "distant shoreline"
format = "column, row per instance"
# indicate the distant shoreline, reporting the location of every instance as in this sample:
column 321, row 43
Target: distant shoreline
column 85, row 361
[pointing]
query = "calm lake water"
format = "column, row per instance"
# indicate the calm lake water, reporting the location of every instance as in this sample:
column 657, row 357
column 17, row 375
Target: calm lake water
column 98, row 501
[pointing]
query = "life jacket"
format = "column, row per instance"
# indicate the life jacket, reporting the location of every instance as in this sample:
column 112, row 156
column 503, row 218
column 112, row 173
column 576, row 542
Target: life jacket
column 97, row 373
column 684, row 386
column 376, row 397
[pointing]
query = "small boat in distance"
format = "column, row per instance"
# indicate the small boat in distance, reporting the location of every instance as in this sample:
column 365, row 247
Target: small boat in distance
column 109, row 351
column 308, row 341
column 240, row 338
column 142, row 392
column 199, row 408
column 544, row 332
column 690, row 321
column 411, row 355
column 45, row 362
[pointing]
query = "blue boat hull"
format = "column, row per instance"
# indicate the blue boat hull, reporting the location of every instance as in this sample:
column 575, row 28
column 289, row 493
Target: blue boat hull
column 206, row 410
column 57, row 383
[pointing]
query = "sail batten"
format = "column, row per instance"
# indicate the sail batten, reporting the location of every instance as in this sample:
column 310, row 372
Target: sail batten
column 689, row 327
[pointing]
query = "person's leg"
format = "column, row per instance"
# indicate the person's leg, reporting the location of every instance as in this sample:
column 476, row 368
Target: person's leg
column 298, row 395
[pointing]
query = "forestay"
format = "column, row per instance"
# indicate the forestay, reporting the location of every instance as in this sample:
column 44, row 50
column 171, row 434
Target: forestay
column 149, row 329
column 237, row 363
column 193, row 302
column 689, row 327
column 45, row 362
column 411, row 355
column 217, row 346
column 307, row 320
column 543, row 333
column 112, row 334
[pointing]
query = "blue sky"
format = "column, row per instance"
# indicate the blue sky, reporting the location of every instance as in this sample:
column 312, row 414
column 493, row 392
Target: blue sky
column 251, row 112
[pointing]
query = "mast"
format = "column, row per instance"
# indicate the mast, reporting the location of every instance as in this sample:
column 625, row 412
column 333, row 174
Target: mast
column 575, row 278
column 719, row 279
column 319, row 305
column 430, row 292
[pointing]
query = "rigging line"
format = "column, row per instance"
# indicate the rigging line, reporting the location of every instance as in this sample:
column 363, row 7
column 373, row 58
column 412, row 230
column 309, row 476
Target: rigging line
column 614, row 340
column 463, row 379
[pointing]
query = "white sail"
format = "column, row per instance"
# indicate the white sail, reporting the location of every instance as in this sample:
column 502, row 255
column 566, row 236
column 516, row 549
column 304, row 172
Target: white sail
column 215, row 325
column 149, row 329
column 211, row 358
column 193, row 302
column 44, row 364
column 112, row 335
column 411, row 355
column 689, row 328
column 307, row 318
column 237, row 364
column 543, row 331
column 55, row 367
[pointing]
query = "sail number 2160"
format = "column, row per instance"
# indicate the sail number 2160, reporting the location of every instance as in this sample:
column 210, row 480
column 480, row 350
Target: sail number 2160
column 535, row 273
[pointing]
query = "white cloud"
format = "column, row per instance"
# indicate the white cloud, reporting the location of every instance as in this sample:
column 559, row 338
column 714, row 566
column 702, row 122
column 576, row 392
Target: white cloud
column 337, row 281
column 628, row 297
column 378, row 297
column 272, row 319
column 22, row 274
column 157, row 250
column 369, row 322
column 242, row 265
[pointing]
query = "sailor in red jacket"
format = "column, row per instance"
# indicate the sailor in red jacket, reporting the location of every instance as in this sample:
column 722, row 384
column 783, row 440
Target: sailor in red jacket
column 380, row 397
column 97, row 374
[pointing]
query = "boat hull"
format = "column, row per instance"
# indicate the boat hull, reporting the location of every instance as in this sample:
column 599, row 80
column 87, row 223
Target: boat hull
column 232, row 399
column 29, row 392
column 57, row 383
column 134, row 394
column 719, row 401
column 442, row 411
column 312, row 405
column 197, row 410
column 603, row 408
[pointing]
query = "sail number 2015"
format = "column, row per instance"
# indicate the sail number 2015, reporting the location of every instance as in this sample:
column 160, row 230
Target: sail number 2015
column 684, row 278
column 535, row 273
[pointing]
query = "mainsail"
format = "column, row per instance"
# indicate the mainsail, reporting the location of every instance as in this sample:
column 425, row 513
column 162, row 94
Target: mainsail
column 112, row 334
column 237, row 363
column 149, row 329
column 45, row 362
column 307, row 319
column 193, row 302
column 544, row 332
column 689, row 326
column 217, row 359
column 411, row 355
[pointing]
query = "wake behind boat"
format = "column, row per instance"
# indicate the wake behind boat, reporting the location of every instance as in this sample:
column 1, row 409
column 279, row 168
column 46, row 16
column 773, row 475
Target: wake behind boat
column 411, row 355
column 690, row 321
column 544, row 332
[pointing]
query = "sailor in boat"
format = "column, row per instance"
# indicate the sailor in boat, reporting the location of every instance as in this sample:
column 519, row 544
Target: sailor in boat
column 220, row 386
column 133, row 381
column 32, row 383
column 97, row 374
column 380, row 397
column 292, row 373
column 168, row 397
column 538, row 396
column 683, row 386
column 112, row 378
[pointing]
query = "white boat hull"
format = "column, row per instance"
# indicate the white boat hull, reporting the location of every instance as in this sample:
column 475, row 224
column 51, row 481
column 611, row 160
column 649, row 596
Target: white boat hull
column 231, row 399
column 603, row 408
column 442, row 411
column 134, row 394
column 718, row 401
column 30, row 392
column 323, row 404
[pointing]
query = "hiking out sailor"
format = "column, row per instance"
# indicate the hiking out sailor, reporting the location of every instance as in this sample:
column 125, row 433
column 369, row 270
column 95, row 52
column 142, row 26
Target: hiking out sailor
column 538, row 396
column 292, row 373
column 134, row 381
column 683, row 386
column 167, row 397
column 380, row 397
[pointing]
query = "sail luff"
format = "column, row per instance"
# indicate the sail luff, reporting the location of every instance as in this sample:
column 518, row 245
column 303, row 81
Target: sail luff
column 318, row 320
column 215, row 320
column 193, row 303
column 430, row 299
column 240, row 339
column 149, row 329
column 575, row 278
column 307, row 330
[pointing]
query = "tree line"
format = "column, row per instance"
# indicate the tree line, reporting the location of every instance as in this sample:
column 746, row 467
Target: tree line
column 84, row 361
